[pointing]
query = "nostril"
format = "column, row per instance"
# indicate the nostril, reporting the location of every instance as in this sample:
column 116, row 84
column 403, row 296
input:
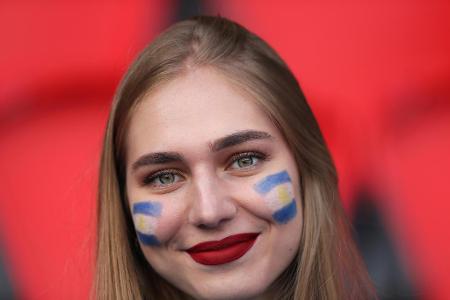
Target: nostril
column 209, row 222
column 212, row 225
column 214, row 220
column 205, row 227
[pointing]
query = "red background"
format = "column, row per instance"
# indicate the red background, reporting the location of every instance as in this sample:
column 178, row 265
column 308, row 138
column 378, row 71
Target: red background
column 377, row 76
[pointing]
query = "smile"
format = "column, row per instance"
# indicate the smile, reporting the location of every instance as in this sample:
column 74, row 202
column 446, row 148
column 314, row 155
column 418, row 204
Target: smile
column 224, row 251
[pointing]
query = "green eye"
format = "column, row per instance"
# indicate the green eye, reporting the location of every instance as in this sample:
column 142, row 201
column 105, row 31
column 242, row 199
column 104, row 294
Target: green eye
column 167, row 178
column 246, row 162
column 163, row 178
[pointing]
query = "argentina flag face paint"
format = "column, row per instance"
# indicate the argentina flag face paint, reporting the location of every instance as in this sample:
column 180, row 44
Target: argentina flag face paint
column 278, row 194
column 145, row 218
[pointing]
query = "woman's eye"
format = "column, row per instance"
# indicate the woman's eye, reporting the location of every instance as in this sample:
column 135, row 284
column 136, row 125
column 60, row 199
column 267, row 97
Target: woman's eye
column 245, row 161
column 162, row 179
column 166, row 178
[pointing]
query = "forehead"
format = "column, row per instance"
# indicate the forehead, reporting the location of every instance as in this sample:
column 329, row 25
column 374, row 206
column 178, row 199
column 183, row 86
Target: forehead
column 191, row 111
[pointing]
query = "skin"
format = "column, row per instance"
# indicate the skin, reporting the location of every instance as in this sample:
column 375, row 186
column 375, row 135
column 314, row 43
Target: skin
column 210, row 194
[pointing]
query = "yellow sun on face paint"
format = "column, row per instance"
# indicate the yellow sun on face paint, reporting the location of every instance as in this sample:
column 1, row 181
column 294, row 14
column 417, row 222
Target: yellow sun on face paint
column 283, row 194
column 142, row 224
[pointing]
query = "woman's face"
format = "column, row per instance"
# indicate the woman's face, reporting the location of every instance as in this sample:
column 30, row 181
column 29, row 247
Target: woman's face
column 213, row 188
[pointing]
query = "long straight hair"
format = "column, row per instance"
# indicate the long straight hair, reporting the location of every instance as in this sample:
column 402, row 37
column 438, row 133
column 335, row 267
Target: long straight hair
column 327, row 265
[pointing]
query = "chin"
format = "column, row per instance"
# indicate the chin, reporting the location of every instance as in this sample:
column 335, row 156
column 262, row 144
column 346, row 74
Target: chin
column 250, row 287
column 227, row 293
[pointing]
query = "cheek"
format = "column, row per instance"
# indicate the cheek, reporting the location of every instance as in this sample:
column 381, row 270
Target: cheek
column 146, row 217
column 277, row 193
column 155, row 222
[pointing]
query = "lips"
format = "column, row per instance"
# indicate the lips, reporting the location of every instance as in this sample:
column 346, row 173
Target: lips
column 223, row 251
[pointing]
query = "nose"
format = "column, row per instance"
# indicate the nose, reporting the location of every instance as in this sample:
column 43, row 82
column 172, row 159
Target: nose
column 211, row 203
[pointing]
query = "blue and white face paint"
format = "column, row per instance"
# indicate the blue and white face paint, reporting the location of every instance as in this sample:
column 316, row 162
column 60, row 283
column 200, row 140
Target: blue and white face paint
column 145, row 218
column 277, row 192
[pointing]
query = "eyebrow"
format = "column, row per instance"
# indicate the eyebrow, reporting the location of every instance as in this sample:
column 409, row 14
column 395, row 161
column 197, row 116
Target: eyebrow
column 157, row 158
column 238, row 138
column 218, row 145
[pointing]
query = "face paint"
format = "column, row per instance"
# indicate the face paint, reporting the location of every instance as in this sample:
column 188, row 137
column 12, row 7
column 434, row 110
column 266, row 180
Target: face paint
column 145, row 217
column 277, row 192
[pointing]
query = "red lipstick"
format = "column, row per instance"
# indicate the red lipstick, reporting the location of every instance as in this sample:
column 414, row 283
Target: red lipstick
column 223, row 251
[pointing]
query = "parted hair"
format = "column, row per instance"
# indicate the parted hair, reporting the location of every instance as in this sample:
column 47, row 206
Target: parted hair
column 327, row 266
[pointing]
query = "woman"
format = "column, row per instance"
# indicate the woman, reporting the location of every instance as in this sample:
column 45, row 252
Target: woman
column 215, row 180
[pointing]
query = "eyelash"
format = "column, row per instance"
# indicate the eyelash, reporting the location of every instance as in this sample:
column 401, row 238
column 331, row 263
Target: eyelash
column 233, row 159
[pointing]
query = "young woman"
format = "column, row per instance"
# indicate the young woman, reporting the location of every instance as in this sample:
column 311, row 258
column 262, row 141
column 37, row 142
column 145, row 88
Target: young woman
column 215, row 180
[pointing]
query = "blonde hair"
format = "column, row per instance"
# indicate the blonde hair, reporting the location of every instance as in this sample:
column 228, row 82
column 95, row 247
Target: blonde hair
column 327, row 266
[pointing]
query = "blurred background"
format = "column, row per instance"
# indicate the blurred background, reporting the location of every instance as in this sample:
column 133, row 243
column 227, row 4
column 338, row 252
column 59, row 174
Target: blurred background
column 376, row 74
